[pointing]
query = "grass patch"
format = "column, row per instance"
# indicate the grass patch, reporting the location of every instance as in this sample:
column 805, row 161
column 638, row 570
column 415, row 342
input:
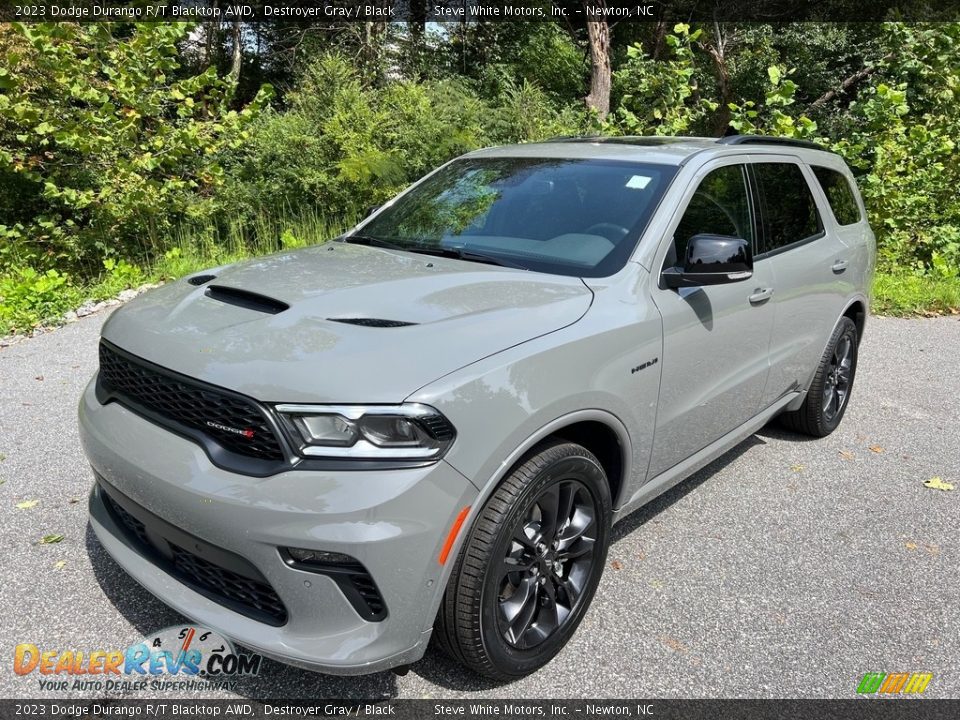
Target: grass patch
column 29, row 299
column 910, row 295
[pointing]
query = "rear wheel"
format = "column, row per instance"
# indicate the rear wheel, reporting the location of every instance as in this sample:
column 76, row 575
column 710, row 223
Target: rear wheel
column 531, row 564
column 829, row 393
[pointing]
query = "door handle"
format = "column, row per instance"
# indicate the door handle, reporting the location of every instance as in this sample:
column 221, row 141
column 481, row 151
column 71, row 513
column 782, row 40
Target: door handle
column 839, row 266
column 760, row 295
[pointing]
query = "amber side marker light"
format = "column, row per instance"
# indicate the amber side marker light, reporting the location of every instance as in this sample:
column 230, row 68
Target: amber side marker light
column 452, row 535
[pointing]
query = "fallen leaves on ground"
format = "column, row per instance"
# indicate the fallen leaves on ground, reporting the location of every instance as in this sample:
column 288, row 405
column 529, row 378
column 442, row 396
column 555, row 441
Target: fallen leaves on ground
column 910, row 545
column 797, row 468
column 616, row 565
column 51, row 539
column 27, row 504
column 60, row 564
column 847, row 455
column 673, row 644
column 937, row 483
column 876, row 449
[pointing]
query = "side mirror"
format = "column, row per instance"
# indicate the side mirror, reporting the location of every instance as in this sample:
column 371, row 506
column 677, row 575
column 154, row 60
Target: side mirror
column 372, row 209
column 711, row 260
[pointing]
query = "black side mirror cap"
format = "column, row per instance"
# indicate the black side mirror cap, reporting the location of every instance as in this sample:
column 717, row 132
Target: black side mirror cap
column 711, row 260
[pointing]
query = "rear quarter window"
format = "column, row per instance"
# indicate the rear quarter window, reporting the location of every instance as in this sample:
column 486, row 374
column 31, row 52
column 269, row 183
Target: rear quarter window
column 839, row 193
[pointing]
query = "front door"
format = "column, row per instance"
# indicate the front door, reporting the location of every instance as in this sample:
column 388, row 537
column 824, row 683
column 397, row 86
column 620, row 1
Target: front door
column 715, row 338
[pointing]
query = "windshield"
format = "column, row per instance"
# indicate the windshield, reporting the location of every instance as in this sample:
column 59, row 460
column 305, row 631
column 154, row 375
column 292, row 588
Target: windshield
column 569, row 217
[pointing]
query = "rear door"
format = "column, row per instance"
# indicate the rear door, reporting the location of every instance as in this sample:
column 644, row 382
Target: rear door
column 799, row 241
column 715, row 338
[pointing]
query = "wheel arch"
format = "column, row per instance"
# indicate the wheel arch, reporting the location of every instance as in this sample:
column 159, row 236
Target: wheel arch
column 599, row 431
column 856, row 310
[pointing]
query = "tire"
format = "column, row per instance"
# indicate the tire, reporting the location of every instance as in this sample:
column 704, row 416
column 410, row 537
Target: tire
column 485, row 591
column 835, row 375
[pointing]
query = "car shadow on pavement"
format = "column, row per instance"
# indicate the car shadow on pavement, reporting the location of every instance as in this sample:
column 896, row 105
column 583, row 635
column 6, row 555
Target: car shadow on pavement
column 439, row 670
column 656, row 506
column 147, row 614
column 775, row 432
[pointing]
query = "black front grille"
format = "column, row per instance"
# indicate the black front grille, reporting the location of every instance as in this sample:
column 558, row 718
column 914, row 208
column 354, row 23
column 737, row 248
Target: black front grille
column 246, row 595
column 234, row 422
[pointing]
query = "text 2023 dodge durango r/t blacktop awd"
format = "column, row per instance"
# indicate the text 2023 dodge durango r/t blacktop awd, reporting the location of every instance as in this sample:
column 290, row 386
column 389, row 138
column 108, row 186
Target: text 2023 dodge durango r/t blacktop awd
column 427, row 427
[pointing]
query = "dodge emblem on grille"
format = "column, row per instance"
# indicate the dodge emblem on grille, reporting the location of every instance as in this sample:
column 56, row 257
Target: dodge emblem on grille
column 248, row 433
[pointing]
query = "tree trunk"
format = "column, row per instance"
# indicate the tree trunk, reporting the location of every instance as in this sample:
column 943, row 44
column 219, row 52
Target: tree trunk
column 718, row 53
column 600, row 73
column 237, row 52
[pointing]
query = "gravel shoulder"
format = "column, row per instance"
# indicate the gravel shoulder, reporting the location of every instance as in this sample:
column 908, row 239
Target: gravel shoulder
column 787, row 568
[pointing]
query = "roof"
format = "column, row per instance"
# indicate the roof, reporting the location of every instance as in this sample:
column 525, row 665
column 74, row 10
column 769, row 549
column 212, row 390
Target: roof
column 663, row 150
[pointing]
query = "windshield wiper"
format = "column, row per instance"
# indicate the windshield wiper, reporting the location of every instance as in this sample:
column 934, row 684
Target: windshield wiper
column 459, row 253
column 375, row 242
column 472, row 256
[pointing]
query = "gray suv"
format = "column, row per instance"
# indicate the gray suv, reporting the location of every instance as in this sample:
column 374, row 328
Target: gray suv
column 426, row 428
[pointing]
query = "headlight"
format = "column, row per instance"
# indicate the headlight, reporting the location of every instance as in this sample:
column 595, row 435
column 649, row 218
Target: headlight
column 369, row 432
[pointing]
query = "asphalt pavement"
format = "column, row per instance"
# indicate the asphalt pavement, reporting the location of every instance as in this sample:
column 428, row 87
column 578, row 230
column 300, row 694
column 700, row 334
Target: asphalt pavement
column 787, row 568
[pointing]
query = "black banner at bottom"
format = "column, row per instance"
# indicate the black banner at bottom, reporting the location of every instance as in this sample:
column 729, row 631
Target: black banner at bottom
column 893, row 708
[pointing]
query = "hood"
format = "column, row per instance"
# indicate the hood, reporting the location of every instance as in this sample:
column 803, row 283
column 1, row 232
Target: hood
column 305, row 326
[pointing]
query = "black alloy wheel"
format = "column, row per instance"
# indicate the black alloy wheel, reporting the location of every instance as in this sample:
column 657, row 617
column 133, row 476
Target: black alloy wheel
column 829, row 393
column 530, row 564
column 549, row 559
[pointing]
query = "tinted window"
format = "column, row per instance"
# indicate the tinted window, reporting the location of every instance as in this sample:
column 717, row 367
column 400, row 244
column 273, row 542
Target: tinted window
column 565, row 216
column 790, row 213
column 838, row 192
column 720, row 206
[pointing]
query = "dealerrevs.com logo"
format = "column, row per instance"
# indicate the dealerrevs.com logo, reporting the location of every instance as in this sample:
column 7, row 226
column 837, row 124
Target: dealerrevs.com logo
column 194, row 657
column 903, row 683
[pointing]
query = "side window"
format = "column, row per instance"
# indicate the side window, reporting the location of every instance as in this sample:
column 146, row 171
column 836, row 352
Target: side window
column 837, row 189
column 790, row 212
column 720, row 206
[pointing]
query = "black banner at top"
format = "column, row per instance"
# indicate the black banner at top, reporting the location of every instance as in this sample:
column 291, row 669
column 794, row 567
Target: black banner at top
column 459, row 11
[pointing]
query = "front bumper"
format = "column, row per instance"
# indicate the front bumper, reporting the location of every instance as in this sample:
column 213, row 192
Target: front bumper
column 393, row 522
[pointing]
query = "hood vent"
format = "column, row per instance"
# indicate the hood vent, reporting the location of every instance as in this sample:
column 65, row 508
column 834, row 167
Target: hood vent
column 201, row 279
column 246, row 299
column 372, row 322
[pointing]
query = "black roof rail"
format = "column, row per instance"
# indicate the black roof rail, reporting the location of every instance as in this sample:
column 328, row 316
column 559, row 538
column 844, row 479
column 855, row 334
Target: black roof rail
column 570, row 138
column 769, row 140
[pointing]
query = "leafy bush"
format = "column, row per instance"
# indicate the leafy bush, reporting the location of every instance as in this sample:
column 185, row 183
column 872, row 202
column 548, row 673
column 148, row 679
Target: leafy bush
column 28, row 298
column 104, row 142
column 343, row 145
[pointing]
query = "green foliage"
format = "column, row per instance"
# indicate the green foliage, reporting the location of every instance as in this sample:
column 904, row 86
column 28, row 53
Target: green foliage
column 343, row 145
column 661, row 97
column 126, row 158
column 27, row 298
column 902, row 138
column 104, row 140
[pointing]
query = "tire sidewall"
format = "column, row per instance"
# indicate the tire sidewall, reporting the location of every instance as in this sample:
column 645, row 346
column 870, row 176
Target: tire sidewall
column 510, row 660
column 843, row 329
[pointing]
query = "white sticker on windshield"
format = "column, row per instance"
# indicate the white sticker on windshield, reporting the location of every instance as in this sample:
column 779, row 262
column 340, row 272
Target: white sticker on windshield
column 638, row 182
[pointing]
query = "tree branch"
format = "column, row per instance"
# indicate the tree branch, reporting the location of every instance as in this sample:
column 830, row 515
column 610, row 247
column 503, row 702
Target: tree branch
column 852, row 81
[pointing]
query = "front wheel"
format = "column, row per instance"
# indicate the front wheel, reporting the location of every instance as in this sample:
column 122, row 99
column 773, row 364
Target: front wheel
column 829, row 393
column 530, row 566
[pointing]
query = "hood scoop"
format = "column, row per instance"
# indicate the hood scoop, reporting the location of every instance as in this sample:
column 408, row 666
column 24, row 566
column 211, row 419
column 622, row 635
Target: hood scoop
column 372, row 322
column 201, row 279
column 246, row 299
